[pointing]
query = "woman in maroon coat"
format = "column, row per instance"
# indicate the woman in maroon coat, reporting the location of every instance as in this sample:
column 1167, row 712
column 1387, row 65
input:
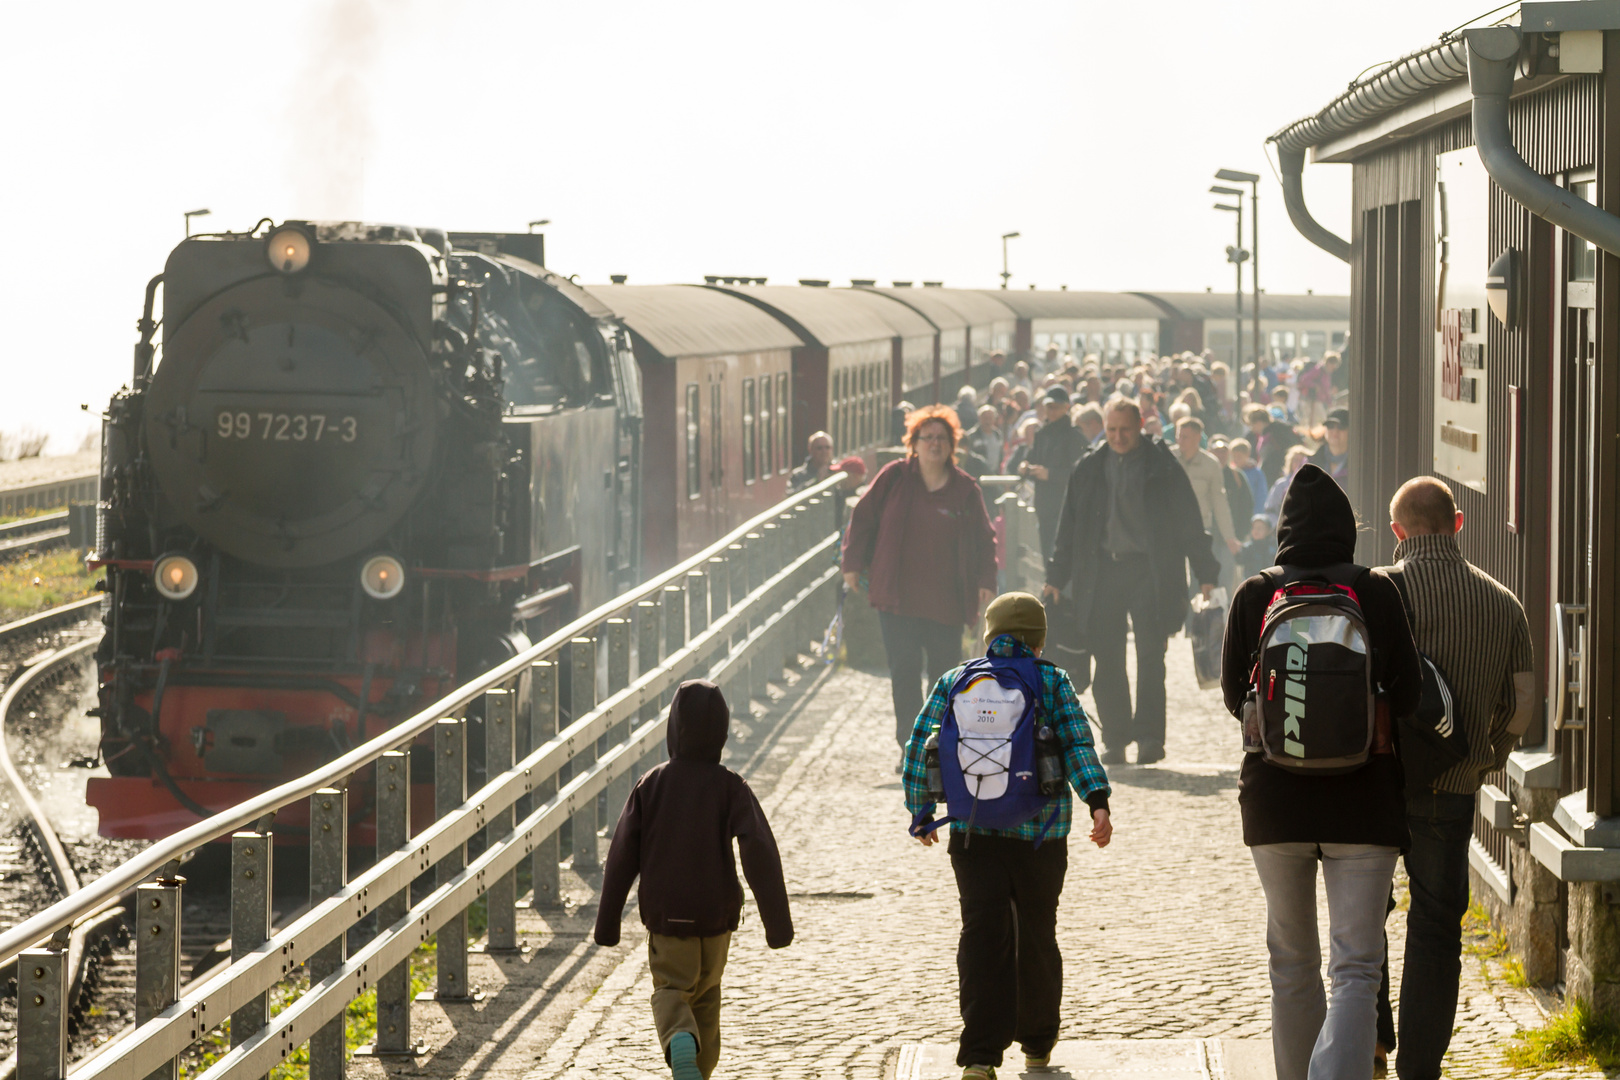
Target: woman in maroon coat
column 921, row 536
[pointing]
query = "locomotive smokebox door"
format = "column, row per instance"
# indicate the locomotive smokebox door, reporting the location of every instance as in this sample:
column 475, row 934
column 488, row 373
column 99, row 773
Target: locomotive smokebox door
column 243, row 741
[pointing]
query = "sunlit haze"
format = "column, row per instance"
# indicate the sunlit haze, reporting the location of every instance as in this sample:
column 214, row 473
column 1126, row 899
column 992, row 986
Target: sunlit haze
column 830, row 140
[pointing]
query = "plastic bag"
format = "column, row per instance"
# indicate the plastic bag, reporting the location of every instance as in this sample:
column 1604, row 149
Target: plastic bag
column 1206, row 628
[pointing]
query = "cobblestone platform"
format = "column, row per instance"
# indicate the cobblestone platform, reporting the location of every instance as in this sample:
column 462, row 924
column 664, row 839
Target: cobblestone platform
column 1162, row 933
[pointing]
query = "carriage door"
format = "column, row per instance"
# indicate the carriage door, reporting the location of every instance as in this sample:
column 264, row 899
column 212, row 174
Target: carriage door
column 716, row 499
column 1571, row 505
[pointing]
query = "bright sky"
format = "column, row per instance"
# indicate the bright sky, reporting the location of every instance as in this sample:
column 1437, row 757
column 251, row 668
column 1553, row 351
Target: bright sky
column 844, row 138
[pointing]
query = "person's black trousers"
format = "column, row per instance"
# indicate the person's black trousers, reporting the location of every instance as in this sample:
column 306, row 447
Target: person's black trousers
column 1125, row 588
column 1437, row 870
column 1007, row 961
column 906, row 639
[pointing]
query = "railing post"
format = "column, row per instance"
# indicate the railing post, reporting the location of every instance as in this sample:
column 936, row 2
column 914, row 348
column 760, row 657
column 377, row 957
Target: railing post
column 618, row 673
column 719, row 587
column 650, row 652
column 674, row 598
column 449, row 792
column 788, row 637
column 157, row 955
column 393, row 831
column 737, row 565
column 542, row 727
column 1012, row 537
column 328, row 873
column 697, row 603
column 500, row 738
column 42, row 1008
column 251, row 866
column 581, row 700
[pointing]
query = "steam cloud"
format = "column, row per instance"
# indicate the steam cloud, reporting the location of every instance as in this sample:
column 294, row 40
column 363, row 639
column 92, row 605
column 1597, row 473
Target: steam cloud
column 329, row 114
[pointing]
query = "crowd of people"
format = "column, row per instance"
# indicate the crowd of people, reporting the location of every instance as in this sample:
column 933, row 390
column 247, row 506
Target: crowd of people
column 1131, row 496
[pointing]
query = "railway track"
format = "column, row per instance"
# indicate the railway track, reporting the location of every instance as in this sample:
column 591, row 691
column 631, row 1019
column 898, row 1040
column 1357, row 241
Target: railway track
column 42, row 766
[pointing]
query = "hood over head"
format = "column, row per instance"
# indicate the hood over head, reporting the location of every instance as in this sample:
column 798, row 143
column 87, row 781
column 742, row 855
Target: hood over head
column 699, row 720
column 1317, row 526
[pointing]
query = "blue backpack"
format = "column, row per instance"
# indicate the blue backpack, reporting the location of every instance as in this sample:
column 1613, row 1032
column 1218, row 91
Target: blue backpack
column 987, row 745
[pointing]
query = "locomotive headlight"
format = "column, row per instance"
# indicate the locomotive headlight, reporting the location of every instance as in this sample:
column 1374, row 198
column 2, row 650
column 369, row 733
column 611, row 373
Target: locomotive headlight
column 288, row 249
column 382, row 577
column 175, row 577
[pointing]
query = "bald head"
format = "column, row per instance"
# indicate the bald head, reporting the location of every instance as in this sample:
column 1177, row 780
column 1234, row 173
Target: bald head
column 1424, row 506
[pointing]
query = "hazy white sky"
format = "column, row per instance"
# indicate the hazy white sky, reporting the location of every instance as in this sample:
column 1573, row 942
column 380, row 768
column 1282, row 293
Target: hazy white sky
column 837, row 139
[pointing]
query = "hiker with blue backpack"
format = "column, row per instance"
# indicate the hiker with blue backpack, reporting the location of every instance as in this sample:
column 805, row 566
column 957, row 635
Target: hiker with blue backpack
column 1000, row 742
column 1318, row 658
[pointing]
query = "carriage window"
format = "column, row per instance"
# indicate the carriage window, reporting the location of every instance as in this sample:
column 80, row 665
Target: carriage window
column 767, row 425
column 750, row 434
column 717, row 439
column 782, row 421
column 694, row 445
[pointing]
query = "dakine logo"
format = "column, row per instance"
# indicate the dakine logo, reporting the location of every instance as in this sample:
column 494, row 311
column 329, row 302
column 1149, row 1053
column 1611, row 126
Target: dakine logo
column 1294, row 702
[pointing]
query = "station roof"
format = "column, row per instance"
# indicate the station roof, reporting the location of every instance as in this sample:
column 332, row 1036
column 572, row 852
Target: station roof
column 1286, row 306
column 822, row 316
column 1064, row 304
column 683, row 320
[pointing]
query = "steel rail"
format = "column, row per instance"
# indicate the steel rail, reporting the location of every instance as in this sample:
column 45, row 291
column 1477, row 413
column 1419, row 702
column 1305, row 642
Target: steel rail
column 72, row 611
column 106, row 889
column 143, row 1049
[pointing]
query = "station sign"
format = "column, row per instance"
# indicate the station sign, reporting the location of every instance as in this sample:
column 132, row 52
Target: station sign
column 1462, row 259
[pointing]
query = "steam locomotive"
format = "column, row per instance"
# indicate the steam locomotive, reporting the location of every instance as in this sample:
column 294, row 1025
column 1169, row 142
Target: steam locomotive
column 372, row 461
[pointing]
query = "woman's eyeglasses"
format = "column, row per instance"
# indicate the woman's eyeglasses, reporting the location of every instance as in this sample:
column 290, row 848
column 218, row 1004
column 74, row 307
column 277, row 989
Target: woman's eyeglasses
column 933, row 438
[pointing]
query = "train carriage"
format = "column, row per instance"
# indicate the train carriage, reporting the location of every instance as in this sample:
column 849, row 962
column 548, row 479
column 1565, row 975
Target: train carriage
column 716, row 380
column 1118, row 327
column 916, row 385
column 916, row 342
column 991, row 328
column 842, row 373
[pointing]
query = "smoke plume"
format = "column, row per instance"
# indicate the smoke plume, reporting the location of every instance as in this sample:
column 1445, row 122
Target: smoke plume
column 329, row 114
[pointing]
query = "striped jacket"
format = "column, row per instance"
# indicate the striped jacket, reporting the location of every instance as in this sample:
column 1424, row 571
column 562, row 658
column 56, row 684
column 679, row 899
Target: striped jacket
column 1475, row 631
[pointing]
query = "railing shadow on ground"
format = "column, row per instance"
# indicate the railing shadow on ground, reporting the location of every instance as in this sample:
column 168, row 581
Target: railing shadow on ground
column 732, row 613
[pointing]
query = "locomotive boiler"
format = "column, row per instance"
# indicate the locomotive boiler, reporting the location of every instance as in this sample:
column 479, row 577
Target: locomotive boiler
column 367, row 463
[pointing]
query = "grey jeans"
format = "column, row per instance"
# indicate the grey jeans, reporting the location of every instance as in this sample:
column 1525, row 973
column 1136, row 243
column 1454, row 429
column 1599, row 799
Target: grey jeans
column 1311, row 1037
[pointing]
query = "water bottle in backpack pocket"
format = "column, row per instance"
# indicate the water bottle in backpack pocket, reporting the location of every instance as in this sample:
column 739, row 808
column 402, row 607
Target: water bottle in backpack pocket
column 1311, row 705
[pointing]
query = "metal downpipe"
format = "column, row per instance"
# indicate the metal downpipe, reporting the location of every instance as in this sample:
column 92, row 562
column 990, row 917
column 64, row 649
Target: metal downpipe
column 1493, row 60
column 1293, row 168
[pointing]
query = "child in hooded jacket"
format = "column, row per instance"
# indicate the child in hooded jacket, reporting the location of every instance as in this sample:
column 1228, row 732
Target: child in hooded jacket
column 675, row 833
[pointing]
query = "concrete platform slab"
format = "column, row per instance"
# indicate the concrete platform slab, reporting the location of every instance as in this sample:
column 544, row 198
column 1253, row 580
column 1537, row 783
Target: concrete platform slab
column 1109, row 1059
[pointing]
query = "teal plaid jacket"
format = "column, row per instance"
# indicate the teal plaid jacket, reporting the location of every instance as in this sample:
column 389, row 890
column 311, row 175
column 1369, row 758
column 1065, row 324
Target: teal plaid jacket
column 1068, row 719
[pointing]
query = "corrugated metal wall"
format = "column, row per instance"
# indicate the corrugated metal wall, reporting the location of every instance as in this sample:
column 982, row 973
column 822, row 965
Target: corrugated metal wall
column 1555, row 131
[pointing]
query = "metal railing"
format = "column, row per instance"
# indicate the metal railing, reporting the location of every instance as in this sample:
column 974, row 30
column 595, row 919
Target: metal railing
column 733, row 613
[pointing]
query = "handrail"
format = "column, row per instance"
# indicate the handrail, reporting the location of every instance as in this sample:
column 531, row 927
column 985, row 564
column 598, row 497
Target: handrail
column 106, row 889
column 142, row 1049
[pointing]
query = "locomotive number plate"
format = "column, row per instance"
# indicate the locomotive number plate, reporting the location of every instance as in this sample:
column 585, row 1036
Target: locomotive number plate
column 286, row 427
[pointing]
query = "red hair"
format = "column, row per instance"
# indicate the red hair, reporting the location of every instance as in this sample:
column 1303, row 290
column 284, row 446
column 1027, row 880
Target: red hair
column 927, row 414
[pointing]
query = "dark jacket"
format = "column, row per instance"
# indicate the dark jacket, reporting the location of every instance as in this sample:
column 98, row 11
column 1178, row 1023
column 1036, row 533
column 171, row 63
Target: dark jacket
column 676, row 833
column 875, row 541
column 1239, row 500
column 1271, row 448
column 1318, row 529
column 805, row 475
column 1059, row 446
column 1174, row 521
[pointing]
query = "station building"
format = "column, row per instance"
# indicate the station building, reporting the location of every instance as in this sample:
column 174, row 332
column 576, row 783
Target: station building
column 1485, row 316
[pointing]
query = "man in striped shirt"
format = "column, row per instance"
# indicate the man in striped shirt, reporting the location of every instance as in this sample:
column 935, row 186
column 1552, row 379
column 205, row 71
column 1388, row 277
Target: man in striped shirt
column 1475, row 631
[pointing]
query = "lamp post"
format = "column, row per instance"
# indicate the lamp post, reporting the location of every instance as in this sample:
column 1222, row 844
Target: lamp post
column 191, row 214
column 533, row 225
column 1236, row 256
column 1235, row 176
column 1005, row 275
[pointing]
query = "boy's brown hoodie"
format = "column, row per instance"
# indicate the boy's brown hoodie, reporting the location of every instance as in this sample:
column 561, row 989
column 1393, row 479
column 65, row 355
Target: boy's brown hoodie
column 676, row 833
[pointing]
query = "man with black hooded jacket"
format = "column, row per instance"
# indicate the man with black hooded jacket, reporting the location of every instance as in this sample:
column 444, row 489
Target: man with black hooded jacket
column 1129, row 528
column 676, row 833
column 1351, row 824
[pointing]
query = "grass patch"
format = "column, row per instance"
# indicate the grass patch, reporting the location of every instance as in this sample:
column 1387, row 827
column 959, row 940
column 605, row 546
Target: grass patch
column 1513, row 973
column 44, row 579
column 1480, row 938
column 1573, row 1036
column 359, row 1023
